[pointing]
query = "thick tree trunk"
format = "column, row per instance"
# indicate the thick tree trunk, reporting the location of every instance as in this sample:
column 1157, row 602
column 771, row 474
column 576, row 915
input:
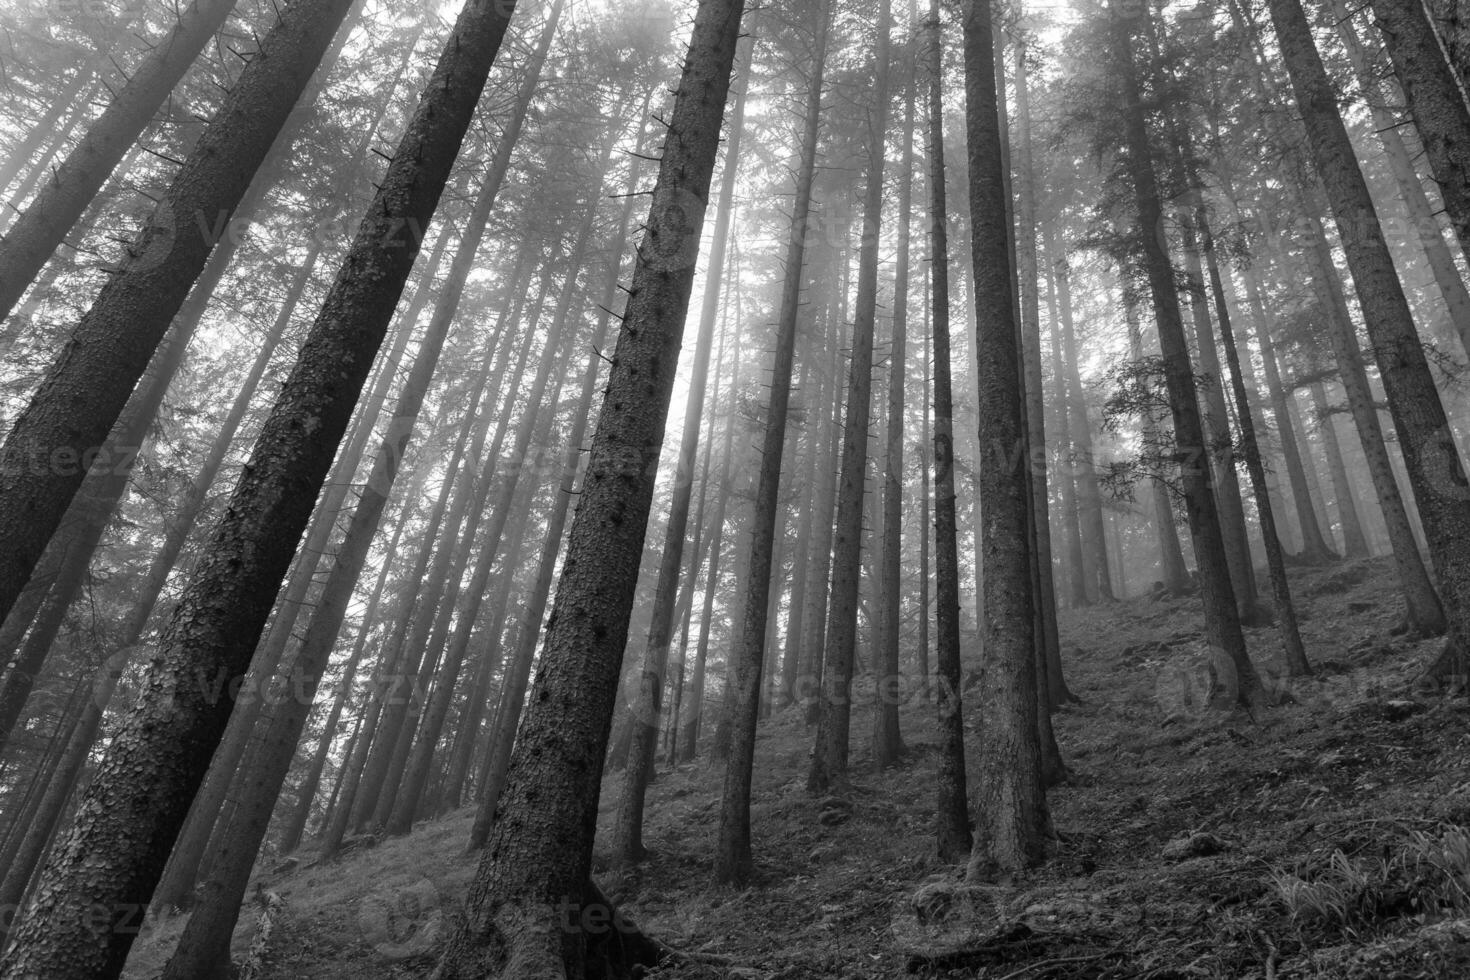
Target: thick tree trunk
column 1011, row 814
column 1435, row 101
column 136, row 803
column 537, row 858
column 54, row 440
column 734, row 862
column 829, row 760
column 1430, row 456
column 72, row 185
column 952, row 817
column 1401, row 164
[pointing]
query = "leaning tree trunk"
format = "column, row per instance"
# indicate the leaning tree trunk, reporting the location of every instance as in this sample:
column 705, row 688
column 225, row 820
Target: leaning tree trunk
column 72, row 185
column 1430, row 456
column 829, row 760
column 51, row 443
column 539, row 853
column 136, row 803
column 952, row 818
column 734, row 862
column 1011, row 814
column 1421, row 213
column 1435, row 100
column 627, row 834
column 1222, row 618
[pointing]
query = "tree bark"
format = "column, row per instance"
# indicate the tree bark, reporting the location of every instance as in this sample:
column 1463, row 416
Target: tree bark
column 1011, row 813
column 952, row 817
column 1401, row 164
column 1435, row 101
column 887, row 742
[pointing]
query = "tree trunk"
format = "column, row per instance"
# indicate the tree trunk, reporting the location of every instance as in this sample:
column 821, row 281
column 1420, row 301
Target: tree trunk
column 136, row 803
column 539, row 850
column 1401, row 164
column 829, row 760
column 1011, row 814
column 887, row 743
column 1435, row 101
column 952, row 818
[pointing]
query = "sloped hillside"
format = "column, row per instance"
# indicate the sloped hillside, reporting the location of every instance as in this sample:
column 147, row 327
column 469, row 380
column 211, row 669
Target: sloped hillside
column 1326, row 837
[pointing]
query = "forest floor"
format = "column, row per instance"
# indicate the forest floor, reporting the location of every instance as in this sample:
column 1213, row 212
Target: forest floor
column 1326, row 837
